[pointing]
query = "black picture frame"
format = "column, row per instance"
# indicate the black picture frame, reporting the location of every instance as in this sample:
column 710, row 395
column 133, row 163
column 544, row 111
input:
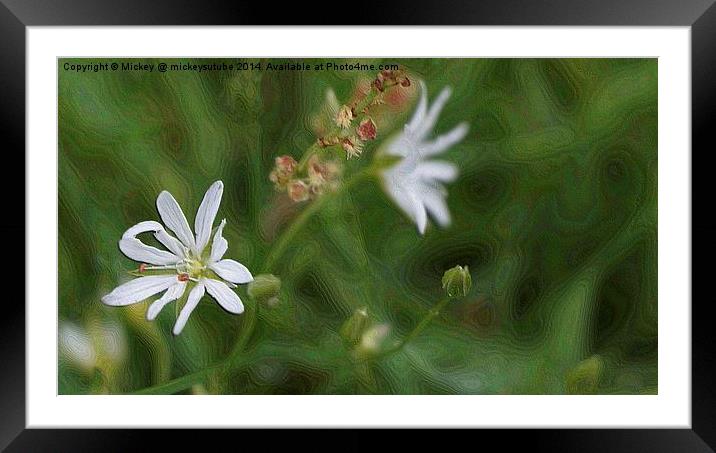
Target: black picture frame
column 16, row 15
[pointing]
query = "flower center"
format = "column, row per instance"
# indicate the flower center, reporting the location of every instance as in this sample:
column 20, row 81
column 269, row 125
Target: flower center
column 191, row 267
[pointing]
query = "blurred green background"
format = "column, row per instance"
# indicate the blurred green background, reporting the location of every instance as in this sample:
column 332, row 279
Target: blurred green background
column 554, row 212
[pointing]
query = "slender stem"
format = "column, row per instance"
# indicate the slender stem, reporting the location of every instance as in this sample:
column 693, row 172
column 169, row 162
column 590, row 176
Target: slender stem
column 304, row 159
column 285, row 239
column 434, row 312
column 246, row 330
column 178, row 384
column 279, row 249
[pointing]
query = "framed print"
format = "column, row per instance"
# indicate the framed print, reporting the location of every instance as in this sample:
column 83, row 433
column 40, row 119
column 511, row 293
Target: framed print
column 359, row 226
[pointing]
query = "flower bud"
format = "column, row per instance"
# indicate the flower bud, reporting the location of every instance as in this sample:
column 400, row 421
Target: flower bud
column 264, row 287
column 367, row 129
column 352, row 330
column 457, row 281
column 584, row 378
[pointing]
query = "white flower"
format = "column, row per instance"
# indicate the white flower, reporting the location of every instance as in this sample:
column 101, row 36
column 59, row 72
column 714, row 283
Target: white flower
column 188, row 260
column 373, row 338
column 85, row 348
column 415, row 183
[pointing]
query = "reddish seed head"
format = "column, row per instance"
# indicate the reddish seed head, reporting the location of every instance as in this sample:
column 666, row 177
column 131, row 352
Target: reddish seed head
column 142, row 267
column 286, row 164
column 367, row 129
column 183, row 277
column 378, row 84
column 298, row 191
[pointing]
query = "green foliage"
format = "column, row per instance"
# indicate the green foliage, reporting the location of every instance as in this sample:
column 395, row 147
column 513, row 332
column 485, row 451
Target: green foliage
column 554, row 212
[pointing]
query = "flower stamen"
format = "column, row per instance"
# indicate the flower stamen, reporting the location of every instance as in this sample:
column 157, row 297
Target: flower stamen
column 143, row 267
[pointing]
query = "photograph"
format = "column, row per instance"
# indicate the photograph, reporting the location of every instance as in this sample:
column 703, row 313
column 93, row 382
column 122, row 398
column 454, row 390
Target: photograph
column 357, row 226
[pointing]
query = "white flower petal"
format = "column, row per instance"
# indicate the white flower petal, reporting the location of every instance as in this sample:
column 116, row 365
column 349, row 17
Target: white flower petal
column 420, row 110
column 444, row 141
column 332, row 104
column 219, row 245
column 232, row 271
column 435, row 171
column 142, row 227
column 173, row 217
column 227, row 298
column 401, row 146
column 172, row 294
column 434, row 201
column 206, row 214
column 421, row 218
column 139, row 251
column 192, row 301
column 139, row 289
column 431, row 118
column 399, row 189
column 170, row 242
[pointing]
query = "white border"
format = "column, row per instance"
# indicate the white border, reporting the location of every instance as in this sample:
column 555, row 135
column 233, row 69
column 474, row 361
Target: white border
column 671, row 408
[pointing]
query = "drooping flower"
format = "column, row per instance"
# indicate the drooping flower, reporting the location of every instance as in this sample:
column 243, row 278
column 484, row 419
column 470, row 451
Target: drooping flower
column 416, row 183
column 188, row 262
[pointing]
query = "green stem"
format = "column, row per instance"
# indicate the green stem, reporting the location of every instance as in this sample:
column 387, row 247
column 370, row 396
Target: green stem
column 283, row 242
column 178, row 384
column 434, row 312
column 244, row 335
column 313, row 149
